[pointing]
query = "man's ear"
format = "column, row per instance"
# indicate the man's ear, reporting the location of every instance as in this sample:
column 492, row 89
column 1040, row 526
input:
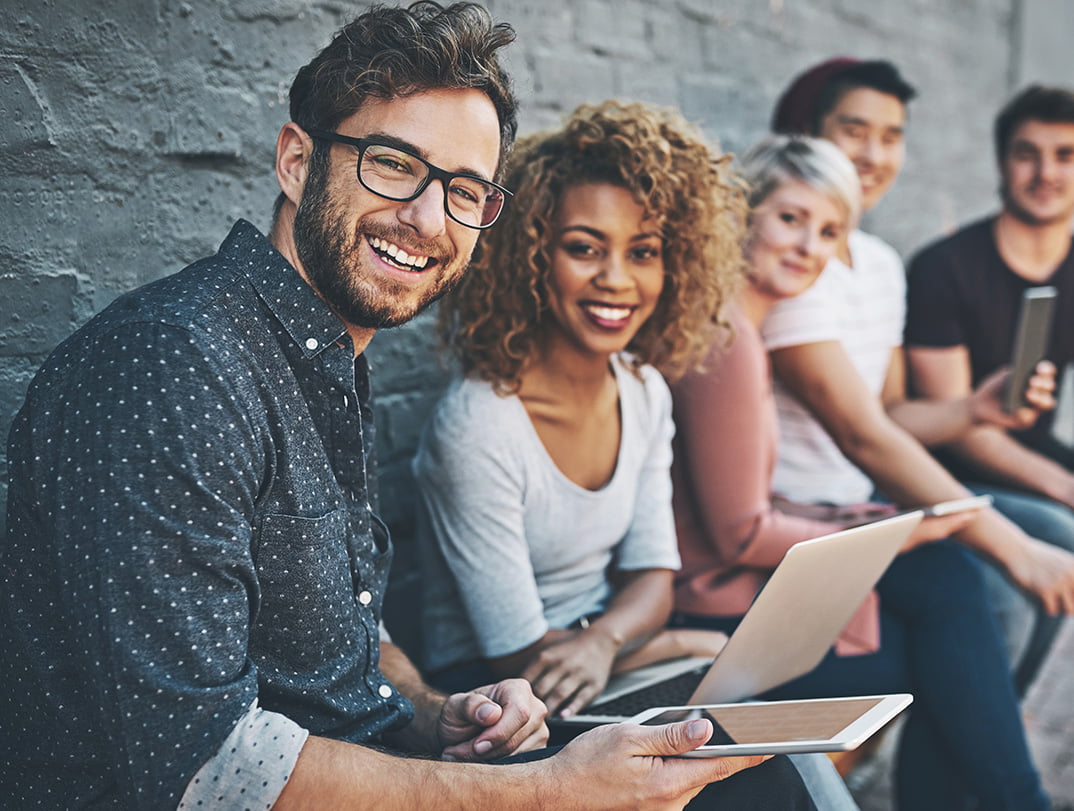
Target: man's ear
column 293, row 149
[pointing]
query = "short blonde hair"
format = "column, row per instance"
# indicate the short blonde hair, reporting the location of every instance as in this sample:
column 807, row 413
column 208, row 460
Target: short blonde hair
column 819, row 164
column 494, row 319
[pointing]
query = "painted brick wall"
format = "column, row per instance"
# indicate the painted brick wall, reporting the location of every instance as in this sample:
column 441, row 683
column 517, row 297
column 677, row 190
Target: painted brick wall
column 132, row 133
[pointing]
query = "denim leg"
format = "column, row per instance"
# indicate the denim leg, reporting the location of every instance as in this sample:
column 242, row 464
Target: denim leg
column 965, row 718
column 1028, row 631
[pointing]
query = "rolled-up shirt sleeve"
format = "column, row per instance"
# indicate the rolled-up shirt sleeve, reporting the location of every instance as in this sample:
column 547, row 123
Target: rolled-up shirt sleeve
column 251, row 767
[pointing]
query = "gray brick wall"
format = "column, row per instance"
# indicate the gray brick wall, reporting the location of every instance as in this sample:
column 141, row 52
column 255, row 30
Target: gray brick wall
column 132, row 132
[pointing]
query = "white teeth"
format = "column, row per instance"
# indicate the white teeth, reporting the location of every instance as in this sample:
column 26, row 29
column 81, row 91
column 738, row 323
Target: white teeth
column 398, row 254
column 609, row 313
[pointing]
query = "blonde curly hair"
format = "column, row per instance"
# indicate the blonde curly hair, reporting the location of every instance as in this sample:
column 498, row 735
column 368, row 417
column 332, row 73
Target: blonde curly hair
column 493, row 320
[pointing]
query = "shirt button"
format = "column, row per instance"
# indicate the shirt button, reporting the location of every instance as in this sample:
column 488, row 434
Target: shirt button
column 311, row 343
column 385, row 691
column 365, row 598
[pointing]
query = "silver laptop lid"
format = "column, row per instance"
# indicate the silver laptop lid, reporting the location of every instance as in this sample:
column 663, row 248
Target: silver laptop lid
column 799, row 613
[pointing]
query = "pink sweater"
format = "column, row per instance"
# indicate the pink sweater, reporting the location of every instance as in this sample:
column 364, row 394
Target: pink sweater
column 730, row 537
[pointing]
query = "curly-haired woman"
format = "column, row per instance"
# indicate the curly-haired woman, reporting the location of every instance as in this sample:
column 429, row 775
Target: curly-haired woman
column 547, row 536
column 548, row 540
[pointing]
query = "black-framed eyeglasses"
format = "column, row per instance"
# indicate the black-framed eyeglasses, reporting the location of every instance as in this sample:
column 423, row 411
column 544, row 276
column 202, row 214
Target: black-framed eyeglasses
column 396, row 174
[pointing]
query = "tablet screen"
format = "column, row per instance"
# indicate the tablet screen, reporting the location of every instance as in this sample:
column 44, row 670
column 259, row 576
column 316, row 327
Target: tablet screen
column 758, row 723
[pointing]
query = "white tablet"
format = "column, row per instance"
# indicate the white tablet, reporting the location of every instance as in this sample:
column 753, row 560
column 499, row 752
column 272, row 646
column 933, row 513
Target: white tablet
column 785, row 727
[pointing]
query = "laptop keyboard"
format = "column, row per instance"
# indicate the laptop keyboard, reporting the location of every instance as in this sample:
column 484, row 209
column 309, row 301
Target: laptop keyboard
column 670, row 693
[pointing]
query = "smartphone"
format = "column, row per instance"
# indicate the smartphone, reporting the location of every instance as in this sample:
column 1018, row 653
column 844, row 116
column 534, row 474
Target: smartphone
column 785, row 727
column 957, row 505
column 1030, row 342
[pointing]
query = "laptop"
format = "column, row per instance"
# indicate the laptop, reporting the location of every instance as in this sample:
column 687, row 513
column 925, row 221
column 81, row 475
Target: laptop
column 786, row 632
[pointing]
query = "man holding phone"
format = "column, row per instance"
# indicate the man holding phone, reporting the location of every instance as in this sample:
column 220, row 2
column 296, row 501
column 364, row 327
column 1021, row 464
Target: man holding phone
column 965, row 293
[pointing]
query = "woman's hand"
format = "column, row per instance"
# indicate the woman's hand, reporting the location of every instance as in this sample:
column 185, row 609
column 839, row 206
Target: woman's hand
column 1047, row 573
column 673, row 643
column 938, row 527
column 567, row 675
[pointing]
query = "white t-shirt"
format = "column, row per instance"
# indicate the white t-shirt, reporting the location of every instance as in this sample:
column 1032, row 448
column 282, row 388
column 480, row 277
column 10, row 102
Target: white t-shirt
column 864, row 308
column 511, row 547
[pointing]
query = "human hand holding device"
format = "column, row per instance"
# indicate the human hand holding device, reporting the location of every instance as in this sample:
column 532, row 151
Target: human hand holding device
column 988, row 401
column 631, row 766
column 945, row 518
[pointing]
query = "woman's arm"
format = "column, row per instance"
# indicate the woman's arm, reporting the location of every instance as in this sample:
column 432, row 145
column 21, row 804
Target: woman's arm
column 725, row 421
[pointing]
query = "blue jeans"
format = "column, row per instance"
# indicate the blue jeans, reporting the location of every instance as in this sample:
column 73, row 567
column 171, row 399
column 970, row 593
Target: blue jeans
column 1028, row 631
column 963, row 735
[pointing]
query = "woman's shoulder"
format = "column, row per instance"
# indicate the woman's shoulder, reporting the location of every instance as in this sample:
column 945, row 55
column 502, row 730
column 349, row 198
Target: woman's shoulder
column 471, row 409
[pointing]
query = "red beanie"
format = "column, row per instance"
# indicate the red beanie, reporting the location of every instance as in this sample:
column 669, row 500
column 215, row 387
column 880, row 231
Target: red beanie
column 797, row 106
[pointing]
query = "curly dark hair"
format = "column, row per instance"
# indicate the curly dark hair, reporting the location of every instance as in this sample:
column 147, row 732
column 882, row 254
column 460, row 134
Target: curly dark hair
column 493, row 320
column 389, row 52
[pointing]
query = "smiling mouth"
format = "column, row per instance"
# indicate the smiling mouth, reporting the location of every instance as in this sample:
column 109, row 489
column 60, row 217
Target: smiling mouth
column 608, row 315
column 397, row 257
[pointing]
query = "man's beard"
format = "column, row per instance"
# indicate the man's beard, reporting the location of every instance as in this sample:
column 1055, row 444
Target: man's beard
column 329, row 255
column 1023, row 214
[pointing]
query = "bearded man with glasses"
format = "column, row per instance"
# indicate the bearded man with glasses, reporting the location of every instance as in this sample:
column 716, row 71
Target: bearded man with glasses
column 194, row 571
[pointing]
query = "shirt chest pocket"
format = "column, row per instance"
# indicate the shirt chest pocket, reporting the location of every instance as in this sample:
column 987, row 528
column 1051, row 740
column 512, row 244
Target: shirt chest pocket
column 315, row 603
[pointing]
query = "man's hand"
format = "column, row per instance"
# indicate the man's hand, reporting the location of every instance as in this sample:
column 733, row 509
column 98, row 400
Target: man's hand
column 630, row 766
column 986, row 401
column 569, row 674
column 1047, row 572
column 492, row 722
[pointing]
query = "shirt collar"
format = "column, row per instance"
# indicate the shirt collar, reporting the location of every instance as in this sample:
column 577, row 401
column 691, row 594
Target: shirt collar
column 308, row 320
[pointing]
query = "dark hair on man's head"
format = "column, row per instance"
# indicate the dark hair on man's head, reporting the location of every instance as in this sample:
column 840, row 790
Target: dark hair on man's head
column 877, row 74
column 816, row 92
column 388, row 52
column 1052, row 105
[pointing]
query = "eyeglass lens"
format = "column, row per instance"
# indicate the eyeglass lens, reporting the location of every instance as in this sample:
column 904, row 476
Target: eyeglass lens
column 397, row 175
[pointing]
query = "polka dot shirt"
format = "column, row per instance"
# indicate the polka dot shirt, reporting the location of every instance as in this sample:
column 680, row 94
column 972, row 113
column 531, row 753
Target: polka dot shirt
column 193, row 573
